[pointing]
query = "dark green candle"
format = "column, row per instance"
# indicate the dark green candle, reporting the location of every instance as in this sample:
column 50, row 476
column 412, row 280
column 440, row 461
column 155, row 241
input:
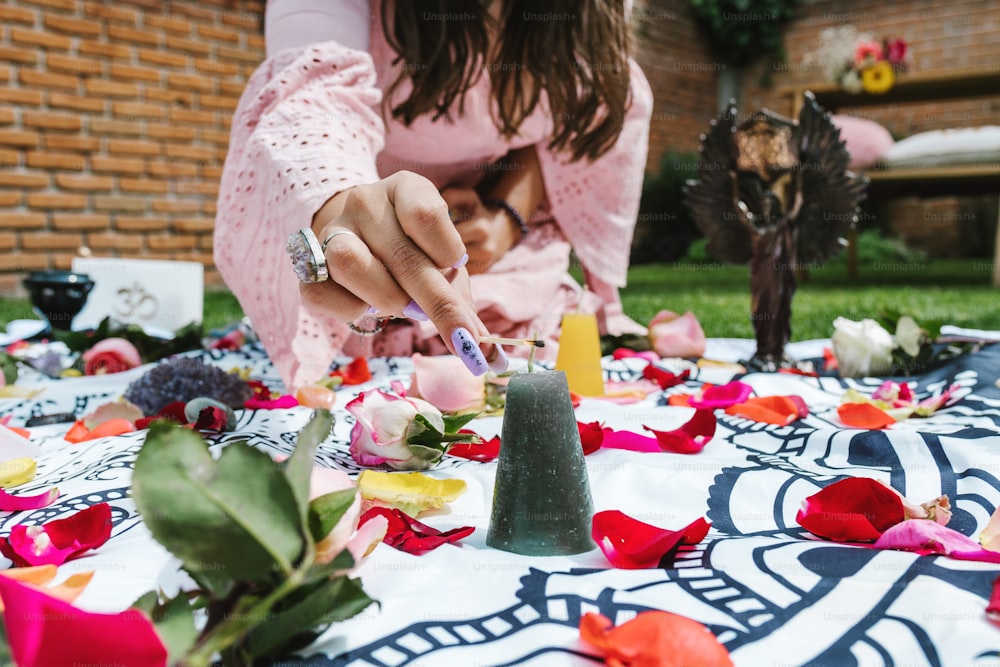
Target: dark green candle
column 541, row 501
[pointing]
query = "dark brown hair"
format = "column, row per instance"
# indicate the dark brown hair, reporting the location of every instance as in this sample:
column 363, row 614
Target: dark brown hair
column 577, row 52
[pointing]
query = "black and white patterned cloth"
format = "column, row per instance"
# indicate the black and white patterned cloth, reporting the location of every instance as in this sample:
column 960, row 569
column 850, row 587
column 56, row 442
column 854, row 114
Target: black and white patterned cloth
column 770, row 591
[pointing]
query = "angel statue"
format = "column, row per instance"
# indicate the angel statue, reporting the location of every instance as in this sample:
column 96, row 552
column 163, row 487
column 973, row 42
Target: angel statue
column 776, row 194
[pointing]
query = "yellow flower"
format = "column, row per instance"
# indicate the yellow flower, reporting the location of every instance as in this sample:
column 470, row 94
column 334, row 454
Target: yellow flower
column 878, row 78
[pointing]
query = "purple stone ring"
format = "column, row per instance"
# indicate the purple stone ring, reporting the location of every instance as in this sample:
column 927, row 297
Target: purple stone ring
column 306, row 252
column 309, row 255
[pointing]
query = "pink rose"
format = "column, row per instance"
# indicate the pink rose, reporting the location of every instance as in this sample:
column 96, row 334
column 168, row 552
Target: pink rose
column 446, row 384
column 675, row 335
column 111, row 355
column 383, row 424
column 346, row 534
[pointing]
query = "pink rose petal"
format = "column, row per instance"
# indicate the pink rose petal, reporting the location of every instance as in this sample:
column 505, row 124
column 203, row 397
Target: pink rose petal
column 43, row 631
column 445, row 383
column 673, row 335
column 928, row 537
column 629, row 440
column 722, row 396
column 12, row 503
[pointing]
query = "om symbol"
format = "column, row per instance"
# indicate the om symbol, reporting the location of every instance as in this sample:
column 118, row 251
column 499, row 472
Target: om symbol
column 136, row 303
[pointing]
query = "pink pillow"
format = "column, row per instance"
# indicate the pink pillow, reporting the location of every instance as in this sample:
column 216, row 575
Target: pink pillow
column 866, row 140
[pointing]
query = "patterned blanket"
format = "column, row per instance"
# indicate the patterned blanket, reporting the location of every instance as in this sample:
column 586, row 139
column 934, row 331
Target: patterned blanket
column 771, row 592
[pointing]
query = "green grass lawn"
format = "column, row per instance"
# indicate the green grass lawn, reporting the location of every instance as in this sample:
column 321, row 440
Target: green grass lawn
column 933, row 292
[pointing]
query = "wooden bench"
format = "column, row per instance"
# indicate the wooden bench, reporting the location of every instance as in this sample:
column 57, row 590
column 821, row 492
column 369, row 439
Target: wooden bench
column 937, row 181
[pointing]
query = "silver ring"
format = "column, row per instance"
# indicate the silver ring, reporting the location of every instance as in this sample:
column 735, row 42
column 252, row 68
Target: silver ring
column 329, row 238
column 306, row 253
column 379, row 325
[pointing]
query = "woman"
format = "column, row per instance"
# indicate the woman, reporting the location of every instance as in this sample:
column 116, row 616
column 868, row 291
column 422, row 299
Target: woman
column 392, row 144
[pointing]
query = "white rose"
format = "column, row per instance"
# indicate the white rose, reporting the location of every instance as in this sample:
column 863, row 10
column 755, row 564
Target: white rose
column 862, row 348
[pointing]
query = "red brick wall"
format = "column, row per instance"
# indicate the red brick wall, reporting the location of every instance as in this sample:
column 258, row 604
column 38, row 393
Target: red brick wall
column 681, row 71
column 114, row 122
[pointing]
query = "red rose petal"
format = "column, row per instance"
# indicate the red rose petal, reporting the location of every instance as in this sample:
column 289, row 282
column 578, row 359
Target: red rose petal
column 631, row 544
column 864, row 415
column 356, row 372
column 407, row 534
column 68, row 538
column 856, row 509
column 486, row 451
column 664, row 378
column 993, row 609
column 172, row 412
column 690, row 438
column 591, row 436
column 654, row 638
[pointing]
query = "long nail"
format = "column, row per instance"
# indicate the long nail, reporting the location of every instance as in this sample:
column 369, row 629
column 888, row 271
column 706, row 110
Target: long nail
column 415, row 312
column 460, row 263
column 372, row 310
column 468, row 351
column 500, row 360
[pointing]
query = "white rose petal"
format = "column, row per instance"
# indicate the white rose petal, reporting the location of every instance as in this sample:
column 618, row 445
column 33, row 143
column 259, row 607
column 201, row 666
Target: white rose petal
column 862, row 348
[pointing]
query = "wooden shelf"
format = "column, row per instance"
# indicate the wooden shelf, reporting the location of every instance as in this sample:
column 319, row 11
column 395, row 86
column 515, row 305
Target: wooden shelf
column 909, row 87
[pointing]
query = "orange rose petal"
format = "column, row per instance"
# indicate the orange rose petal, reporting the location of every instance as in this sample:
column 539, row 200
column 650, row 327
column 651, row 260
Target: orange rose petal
column 39, row 575
column 777, row 410
column 70, row 589
column 79, row 431
column 679, row 400
column 23, row 432
column 654, row 639
column 864, row 415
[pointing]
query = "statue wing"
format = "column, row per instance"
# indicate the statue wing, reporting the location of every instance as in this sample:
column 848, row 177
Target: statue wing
column 711, row 198
column 830, row 191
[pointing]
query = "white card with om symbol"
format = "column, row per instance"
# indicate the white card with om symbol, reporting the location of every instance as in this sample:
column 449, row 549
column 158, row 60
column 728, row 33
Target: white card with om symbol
column 161, row 296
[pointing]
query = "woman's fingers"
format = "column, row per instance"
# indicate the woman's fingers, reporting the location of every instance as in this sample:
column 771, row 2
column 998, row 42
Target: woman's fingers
column 422, row 214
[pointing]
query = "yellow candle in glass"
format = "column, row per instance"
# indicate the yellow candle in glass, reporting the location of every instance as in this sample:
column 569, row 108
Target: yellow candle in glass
column 580, row 354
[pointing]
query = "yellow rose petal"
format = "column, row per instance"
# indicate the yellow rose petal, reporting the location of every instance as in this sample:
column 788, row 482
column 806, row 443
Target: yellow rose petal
column 15, row 391
column 16, row 471
column 411, row 492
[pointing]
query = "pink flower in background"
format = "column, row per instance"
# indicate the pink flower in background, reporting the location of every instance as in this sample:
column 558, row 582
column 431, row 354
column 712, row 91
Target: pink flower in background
column 674, row 335
column 111, row 355
column 867, row 53
column 895, row 51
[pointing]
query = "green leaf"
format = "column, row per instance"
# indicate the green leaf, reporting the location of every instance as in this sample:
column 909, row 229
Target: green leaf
column 146, row 603
column 341, row 563
column 226, row 520
column 298, row 467
column 452, row 423
column 8, row 366
column 331, row 600
column 327, row 510
column 174, row 621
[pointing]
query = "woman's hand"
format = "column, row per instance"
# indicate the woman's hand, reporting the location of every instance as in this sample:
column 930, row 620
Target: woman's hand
column 403, row 256
column 488, row 233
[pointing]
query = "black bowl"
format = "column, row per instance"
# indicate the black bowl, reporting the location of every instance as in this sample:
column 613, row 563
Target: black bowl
column 58, row 296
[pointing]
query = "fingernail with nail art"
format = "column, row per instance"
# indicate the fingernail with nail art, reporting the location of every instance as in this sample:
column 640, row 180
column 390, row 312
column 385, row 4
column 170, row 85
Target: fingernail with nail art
column 500, row 360
column 372, row 310
column 460, row 263
column 415, row 312
column 468, row 351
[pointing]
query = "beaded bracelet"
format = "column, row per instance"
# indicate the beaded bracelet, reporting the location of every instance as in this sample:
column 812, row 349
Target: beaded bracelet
column 512, row 212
